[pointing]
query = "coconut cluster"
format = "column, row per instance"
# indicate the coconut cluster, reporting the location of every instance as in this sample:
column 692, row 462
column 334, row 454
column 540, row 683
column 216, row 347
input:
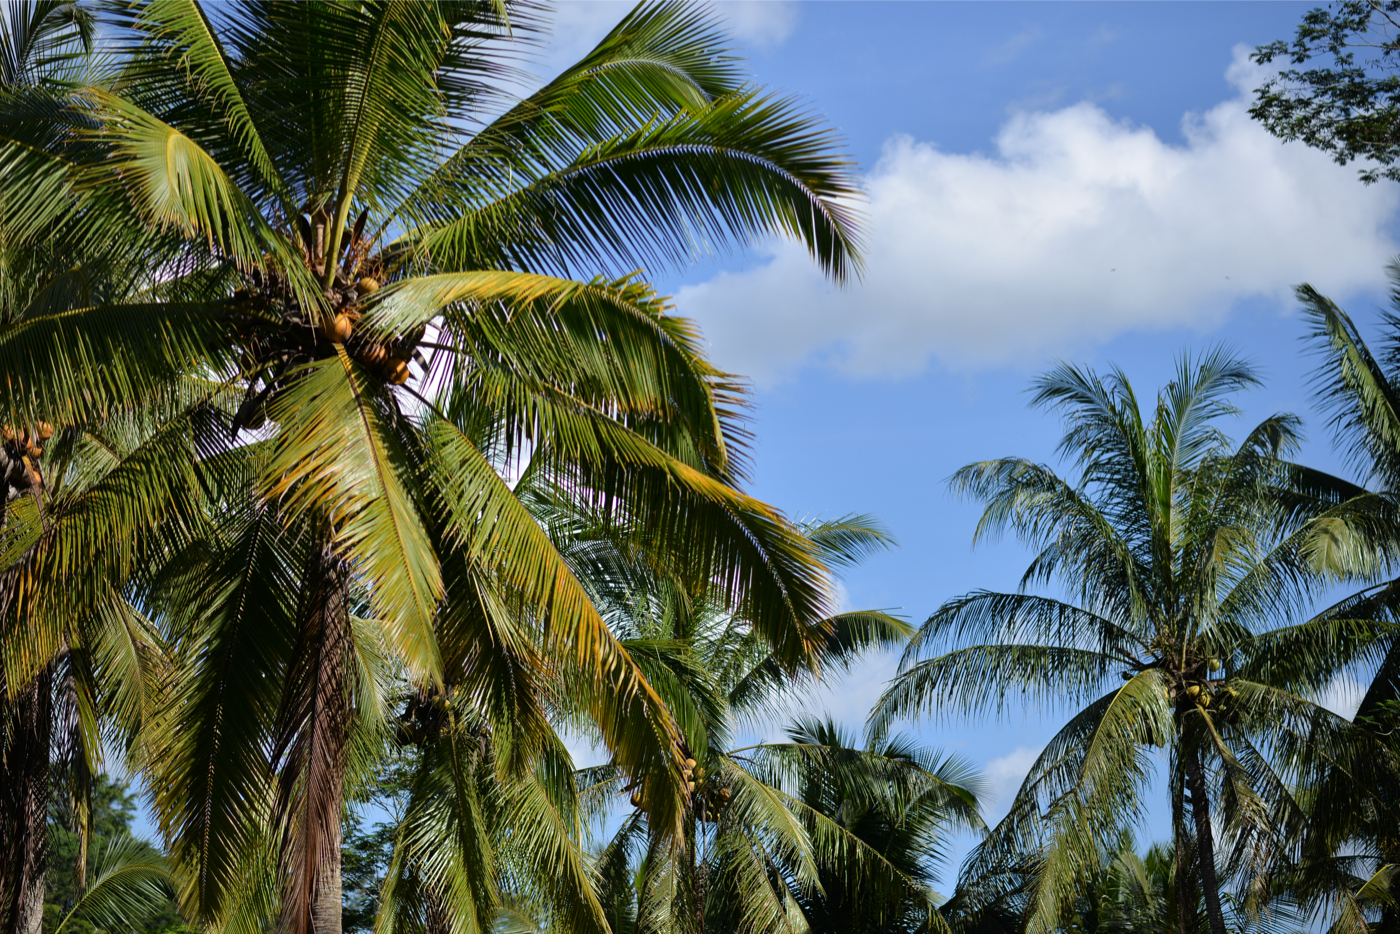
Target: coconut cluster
column 708, row 796
column 20, row 454
column 279, row 334
column 429, row 712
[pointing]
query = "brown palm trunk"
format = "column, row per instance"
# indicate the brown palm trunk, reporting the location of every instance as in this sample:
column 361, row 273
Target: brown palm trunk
column 26, row 797
column 1185, row 890
column 315, row 720
column 1205, row 843
column 326, row 909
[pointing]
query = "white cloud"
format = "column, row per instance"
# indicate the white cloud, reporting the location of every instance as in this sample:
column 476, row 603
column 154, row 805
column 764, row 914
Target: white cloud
column 845, row 697
column 1003, row 777
column 1079, row 227
column 1343, row 696
column 579, row 25
column 759, row 23
column 1011, row 49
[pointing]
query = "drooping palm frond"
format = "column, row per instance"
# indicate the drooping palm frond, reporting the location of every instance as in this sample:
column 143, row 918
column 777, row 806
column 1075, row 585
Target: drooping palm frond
column 257, row 174
column 44, row 43
column 130, row 882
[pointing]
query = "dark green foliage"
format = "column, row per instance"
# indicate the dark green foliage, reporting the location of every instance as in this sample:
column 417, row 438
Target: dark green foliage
column 876, row 792
column 364, row 860
column 367, row 850
column 113, row 810
column 1343, row 95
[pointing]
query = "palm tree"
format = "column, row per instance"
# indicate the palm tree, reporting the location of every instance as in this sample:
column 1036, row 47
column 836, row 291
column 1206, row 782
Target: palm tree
column 902, row 809
column 768, row 826
column 81, row 506
column 1188, row 564
column 1348, row 860
column 325, row 204
column 80, row 665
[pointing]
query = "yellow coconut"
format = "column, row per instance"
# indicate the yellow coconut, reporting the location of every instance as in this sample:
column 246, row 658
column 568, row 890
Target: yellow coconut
column 339, row 329
column 398, row 372
column 367, row 285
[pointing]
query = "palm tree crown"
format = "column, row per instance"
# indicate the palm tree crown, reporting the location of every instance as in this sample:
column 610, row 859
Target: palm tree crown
column 311, row 208
column 1189, row 565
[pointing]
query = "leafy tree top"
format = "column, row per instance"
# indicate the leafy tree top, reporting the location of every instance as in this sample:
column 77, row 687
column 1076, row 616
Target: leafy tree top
column 1343, row 95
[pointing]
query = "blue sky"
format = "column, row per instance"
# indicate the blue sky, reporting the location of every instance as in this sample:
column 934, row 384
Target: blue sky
column 1045, row 181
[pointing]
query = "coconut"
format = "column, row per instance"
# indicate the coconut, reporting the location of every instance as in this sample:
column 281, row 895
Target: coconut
column 35, row 451
column 690, row 763
column 339, row 329
column 367, row 285
column 1194, row 690
column 374, row 355
column 398, row 372
column 636, row 799
column 45, row 431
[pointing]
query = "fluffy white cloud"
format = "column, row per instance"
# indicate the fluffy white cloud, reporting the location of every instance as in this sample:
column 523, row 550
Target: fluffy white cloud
column 580, row 24
column 760, row 23
column 1003, row 777
column 1077, row 228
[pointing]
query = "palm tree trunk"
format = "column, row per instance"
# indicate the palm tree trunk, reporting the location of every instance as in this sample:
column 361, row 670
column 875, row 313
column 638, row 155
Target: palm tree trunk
column 314, row 727
column 1185, row 892
column 1205, row 842
column 27, row 804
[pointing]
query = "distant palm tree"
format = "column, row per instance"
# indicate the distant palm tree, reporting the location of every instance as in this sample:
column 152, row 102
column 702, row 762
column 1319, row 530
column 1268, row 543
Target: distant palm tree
column 326, row 200
column 1188, row 564
column 899, row 799
column 768, row 826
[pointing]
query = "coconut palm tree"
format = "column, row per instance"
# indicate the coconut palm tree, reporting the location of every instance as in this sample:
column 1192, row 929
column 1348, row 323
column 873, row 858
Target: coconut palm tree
column 767, row 825
column 327, row 203
column 1348, row 860
column 902, row 808
column 80, row 665
column 1188, row 565
column 82, row 504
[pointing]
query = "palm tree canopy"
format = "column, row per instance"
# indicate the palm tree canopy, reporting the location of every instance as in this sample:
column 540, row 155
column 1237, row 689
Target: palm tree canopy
column 1189, row 567
column 334, row 217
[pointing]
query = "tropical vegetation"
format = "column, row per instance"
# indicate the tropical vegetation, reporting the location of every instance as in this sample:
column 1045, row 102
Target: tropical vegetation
column 367, row 504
